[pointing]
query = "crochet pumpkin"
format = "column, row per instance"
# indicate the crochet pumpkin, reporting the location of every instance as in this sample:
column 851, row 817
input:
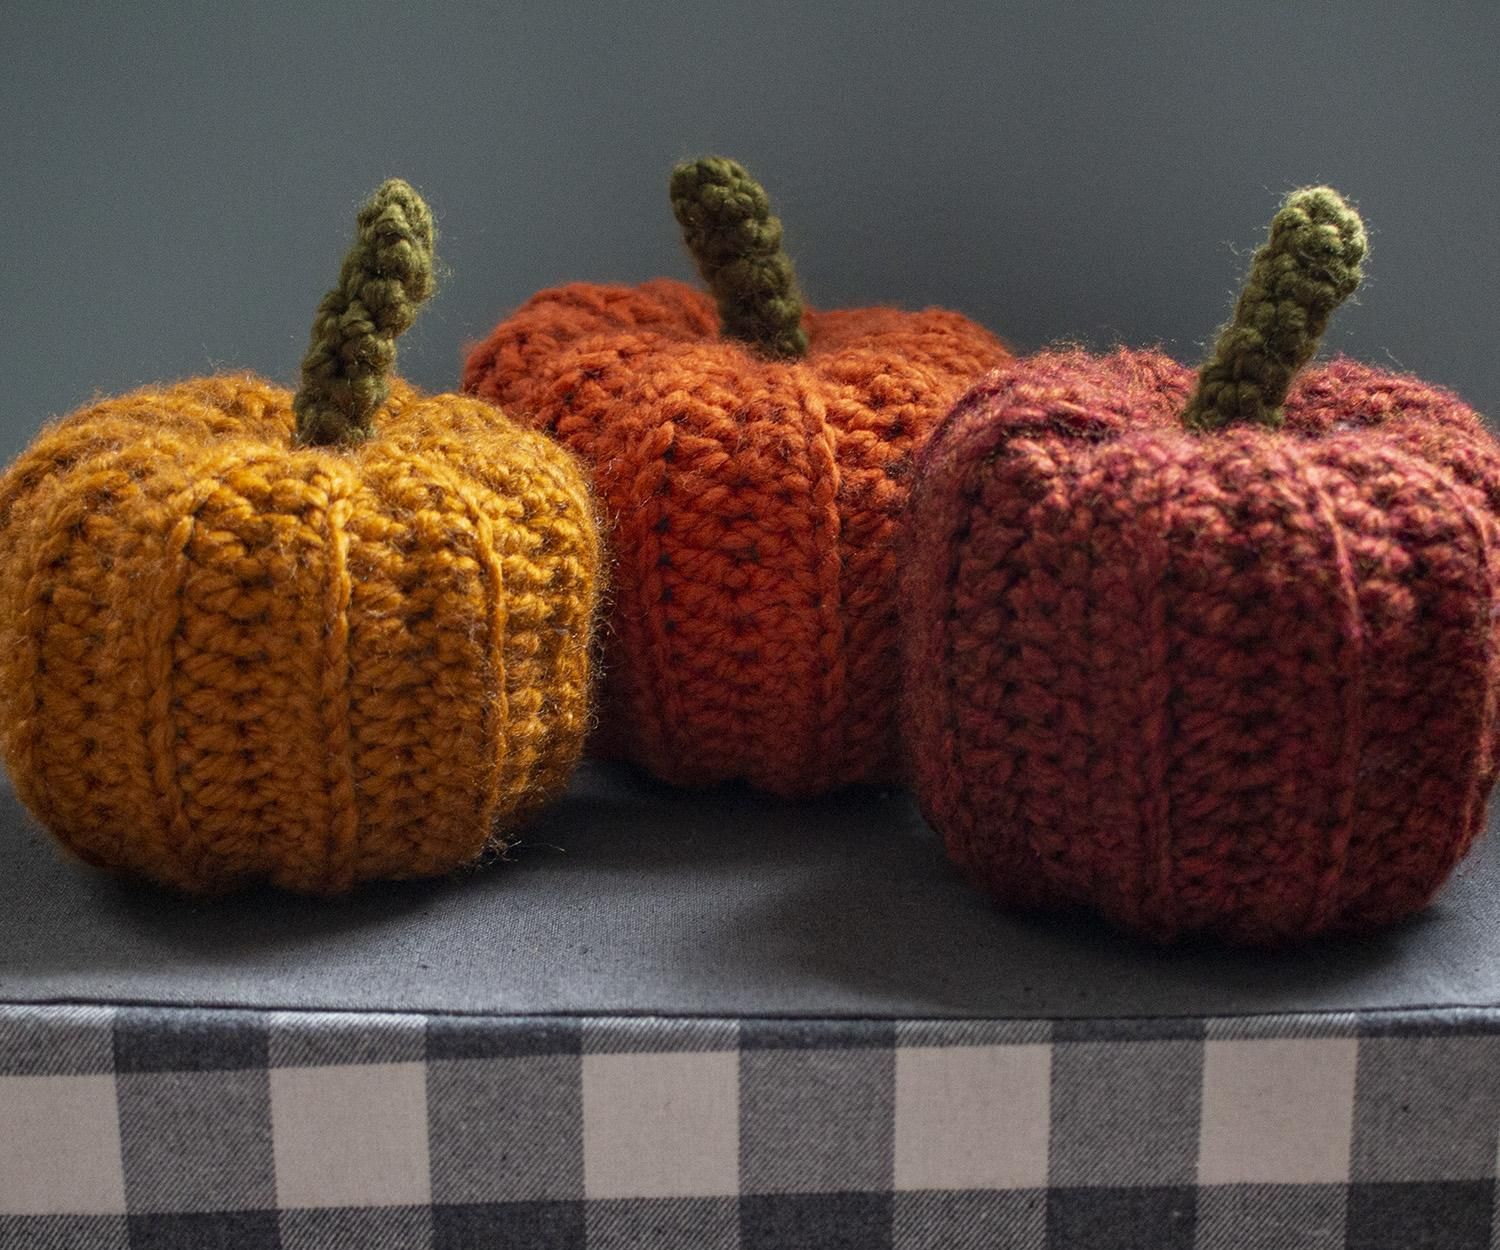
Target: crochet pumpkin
column 1218, row 654
column 310, row 638
column 755, row 463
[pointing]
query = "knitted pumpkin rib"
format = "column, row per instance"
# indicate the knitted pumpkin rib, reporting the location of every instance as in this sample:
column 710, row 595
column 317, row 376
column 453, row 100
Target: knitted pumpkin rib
column 314, row 638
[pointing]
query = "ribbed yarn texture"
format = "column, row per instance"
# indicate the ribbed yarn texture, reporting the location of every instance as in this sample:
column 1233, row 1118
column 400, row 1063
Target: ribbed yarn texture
column 1235, row 679
column 225, row 657
column 754, row 500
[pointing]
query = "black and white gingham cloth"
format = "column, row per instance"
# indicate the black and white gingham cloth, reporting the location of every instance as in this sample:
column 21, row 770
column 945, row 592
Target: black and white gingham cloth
column 194, row 1129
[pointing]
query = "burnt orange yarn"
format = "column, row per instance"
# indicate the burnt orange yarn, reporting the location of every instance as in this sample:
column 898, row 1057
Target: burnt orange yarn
column 754, row 504
column 224, row 657
column 754, row 500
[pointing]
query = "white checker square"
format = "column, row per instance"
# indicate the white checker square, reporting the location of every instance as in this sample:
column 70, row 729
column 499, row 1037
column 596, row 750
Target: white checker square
column 661, row 1125
column 973, row 1117
column 351, row 1135
column 1277, row 1111
column 60, row 1146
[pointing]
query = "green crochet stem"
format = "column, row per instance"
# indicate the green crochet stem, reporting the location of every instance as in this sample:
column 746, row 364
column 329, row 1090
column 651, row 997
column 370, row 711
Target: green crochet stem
column 386, row 276
column 735, row 239
column 1306, row 268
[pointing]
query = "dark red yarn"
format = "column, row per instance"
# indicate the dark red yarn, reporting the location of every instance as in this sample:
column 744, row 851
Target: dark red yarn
column 1241, row 683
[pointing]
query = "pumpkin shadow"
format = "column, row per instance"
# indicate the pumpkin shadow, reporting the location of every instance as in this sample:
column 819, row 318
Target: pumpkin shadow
column 629, row 896
column 907, row 936
column 77, row 917
column 847, row 905
column 611, row 834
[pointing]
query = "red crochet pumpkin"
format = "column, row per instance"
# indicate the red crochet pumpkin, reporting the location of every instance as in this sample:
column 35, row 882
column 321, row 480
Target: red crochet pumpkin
column 1217, row 656
column 755, row 462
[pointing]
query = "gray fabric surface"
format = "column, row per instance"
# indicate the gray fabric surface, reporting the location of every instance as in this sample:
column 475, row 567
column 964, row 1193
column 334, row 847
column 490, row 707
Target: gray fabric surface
column 629, row 897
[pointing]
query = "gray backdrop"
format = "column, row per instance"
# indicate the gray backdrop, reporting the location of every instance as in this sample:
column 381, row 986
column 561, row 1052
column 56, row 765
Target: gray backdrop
column 178, row 185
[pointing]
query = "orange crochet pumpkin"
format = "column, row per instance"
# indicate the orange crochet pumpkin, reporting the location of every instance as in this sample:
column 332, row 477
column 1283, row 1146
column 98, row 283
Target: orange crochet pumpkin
column 312, row 639
column 755, row 466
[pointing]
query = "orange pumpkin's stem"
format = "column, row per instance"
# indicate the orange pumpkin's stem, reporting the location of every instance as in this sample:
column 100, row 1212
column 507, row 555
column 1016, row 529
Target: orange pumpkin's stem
column 735, row 239
column 1306, row 268
column 385, row 278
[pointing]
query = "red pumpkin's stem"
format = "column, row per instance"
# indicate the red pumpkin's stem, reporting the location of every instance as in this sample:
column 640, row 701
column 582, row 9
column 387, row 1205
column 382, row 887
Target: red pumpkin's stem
column 1307, row 267
column 735, row 239
column 386, row 277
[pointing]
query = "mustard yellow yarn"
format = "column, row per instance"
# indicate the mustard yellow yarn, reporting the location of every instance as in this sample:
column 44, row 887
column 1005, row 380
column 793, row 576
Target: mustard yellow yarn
column 227, row 657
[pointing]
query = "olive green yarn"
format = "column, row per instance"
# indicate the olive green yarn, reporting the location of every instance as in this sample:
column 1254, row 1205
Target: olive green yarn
column 386, row 276
column 735, row 239
column 1307, row 267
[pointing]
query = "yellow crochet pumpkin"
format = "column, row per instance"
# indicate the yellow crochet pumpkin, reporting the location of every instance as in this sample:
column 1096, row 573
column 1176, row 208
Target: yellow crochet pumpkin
column 313, row 639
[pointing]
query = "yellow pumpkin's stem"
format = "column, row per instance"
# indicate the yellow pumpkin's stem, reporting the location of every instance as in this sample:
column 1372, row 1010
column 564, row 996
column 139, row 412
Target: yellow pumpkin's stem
column 385, row 279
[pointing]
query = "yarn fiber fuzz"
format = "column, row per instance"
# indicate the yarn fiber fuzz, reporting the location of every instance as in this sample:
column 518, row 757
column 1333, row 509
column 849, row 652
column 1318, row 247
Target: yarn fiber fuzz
column 1198, row 671
column 754, row 495
column 227, row 657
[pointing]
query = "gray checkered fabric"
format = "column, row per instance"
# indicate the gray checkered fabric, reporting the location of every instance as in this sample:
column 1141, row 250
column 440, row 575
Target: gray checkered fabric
column 193, row 1129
